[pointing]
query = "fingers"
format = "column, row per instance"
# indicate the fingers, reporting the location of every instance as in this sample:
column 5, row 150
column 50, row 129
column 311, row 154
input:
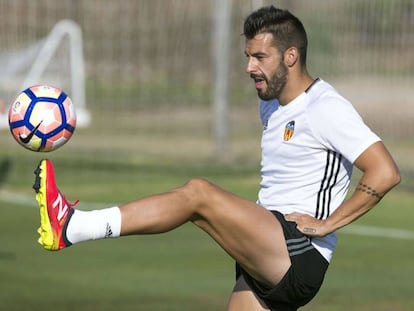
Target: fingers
column 306, row 224
column 292, row 217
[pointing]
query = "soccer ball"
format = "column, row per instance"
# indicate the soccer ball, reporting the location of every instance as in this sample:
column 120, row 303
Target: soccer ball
column 42, row 118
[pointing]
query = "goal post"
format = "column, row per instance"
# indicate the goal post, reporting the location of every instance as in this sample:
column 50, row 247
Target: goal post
column 37, row 72
column 221, row 55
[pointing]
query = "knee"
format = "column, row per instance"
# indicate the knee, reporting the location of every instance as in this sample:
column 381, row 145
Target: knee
column 199, row 191
column 197, row 187
column 201, row 194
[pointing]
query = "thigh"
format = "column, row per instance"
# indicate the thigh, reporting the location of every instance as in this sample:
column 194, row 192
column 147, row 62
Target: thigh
column 245, row 230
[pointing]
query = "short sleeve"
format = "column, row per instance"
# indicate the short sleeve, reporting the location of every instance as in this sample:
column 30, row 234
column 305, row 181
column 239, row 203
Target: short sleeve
column 339, row 127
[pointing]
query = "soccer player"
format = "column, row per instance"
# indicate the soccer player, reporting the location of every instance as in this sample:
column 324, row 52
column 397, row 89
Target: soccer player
column 283, row 243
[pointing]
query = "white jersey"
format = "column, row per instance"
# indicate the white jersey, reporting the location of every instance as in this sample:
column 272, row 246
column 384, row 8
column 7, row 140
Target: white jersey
column 308, row 150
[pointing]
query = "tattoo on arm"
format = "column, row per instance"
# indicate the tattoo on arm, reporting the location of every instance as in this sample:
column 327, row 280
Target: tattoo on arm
column 309, row 230
column 368, row 190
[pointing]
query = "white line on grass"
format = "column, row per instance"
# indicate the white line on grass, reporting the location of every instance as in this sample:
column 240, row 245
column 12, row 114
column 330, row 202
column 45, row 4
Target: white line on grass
column 379, row 232
column 30, row 201
column 16, row 198
column 382, row 232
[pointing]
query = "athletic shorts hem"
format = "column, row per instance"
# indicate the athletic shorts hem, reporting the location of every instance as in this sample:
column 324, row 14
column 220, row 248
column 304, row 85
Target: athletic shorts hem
column 303, row 279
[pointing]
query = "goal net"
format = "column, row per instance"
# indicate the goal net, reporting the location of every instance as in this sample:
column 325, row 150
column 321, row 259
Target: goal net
column 56, row 60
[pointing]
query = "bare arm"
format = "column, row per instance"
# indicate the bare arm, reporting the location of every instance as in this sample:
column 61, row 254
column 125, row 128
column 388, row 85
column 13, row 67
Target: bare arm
column 380, row 175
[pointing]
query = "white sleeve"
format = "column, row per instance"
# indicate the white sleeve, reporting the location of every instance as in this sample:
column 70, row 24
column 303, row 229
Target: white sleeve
column 339, row 127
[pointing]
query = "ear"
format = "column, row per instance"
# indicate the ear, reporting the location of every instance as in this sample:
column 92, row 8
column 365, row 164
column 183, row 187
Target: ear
column 291, row 56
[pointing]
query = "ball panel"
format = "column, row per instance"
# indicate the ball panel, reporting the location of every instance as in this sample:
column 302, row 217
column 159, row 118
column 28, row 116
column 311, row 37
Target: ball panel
column 47, row 115
column 45, row 91
column 23, row 132
column 70, row 112
column 19, row 107
column 34, row 144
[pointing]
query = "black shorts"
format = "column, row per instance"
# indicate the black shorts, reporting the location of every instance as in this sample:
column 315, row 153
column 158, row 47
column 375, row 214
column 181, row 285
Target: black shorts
column 303, row 279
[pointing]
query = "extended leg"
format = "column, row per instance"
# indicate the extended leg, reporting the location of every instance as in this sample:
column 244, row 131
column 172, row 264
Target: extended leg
column 246, row 231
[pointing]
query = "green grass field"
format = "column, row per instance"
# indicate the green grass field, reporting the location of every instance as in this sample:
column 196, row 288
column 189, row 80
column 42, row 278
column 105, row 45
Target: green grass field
column 184, row 269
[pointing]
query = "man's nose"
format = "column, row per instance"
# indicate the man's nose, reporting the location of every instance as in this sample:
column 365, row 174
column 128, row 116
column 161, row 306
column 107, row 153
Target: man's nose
column 251, row 65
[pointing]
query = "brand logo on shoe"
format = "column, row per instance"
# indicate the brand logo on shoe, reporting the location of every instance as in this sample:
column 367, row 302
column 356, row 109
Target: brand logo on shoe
column 63, row 207
column 26, row 139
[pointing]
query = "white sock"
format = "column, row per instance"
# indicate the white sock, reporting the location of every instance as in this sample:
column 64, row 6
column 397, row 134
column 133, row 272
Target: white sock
column 93, row 225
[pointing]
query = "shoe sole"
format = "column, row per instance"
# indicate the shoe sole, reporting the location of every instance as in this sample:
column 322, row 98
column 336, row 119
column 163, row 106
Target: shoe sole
column 46, row 238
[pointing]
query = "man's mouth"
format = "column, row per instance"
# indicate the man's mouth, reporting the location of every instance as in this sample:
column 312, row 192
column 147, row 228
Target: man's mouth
column 258, row 81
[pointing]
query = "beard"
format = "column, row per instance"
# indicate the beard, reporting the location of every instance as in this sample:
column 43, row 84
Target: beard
column 275, row 83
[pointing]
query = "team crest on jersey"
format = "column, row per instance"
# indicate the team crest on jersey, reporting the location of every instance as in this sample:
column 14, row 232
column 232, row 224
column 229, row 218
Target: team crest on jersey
column 289, row 130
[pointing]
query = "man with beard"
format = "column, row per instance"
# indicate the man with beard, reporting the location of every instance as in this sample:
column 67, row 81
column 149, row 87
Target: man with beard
column 283, row 243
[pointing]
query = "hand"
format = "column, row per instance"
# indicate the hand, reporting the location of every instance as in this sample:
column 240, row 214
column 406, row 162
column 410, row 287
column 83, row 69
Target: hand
column 308, row 225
